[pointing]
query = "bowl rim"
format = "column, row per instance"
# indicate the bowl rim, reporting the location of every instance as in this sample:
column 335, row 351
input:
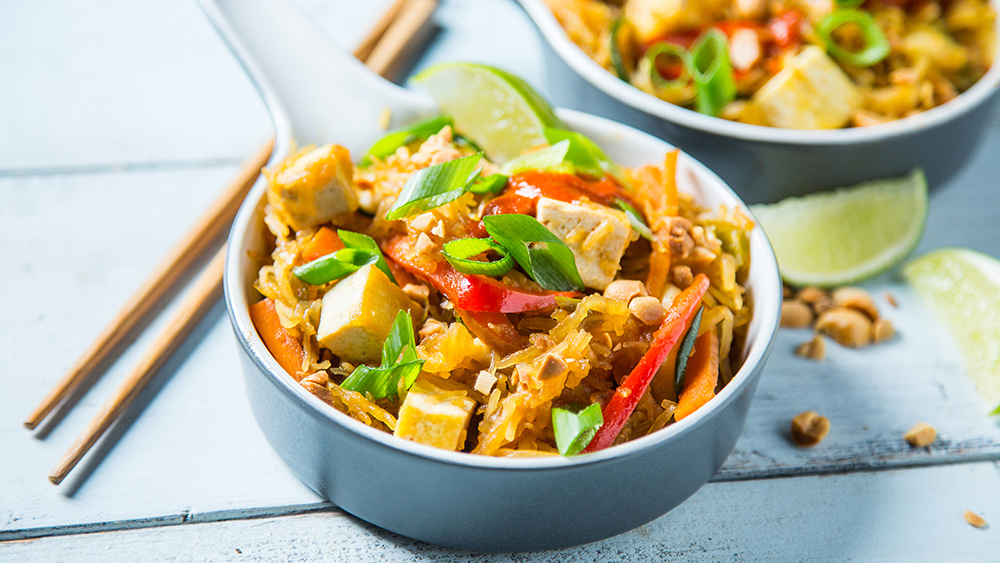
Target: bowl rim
column 597, row 76
column 767, row 309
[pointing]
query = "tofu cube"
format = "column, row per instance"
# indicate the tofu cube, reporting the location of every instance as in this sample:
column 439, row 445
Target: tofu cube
column 597, row 235
column 313, row 187
column 652, row 19
column 812, row 93
column 358, row 313
column 434, row 416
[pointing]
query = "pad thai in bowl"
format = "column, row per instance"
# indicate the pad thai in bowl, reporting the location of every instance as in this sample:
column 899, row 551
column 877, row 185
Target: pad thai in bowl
column 777, row 89
column 406, row 308
column 798, row 64
column 558, row 303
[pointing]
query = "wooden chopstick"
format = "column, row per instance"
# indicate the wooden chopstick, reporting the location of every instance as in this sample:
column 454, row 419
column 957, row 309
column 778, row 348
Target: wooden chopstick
column 206, row 288
column 364, row 49
column 391, row 48
column 174, row 266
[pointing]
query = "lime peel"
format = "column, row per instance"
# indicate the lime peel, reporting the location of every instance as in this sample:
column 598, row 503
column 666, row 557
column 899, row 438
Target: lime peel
column 962, row 288
column 849, row 234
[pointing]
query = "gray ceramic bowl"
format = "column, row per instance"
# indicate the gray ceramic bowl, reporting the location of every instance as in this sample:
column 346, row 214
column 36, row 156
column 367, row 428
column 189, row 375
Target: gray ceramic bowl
column 492, row 504
column 765, row 164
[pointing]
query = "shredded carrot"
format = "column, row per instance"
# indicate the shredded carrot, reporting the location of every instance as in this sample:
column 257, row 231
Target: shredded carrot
column 283, row 346
column 324, row 242
column 670, row 182
column 659, row 268
column 702, row 375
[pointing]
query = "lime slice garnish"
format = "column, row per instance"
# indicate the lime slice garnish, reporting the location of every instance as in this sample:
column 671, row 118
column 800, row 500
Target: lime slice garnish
column 846, row 235
column 962, row 288
column 497, row 110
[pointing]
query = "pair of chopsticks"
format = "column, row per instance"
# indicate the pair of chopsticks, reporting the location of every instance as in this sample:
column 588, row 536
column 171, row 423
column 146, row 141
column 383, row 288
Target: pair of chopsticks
column 381, row 50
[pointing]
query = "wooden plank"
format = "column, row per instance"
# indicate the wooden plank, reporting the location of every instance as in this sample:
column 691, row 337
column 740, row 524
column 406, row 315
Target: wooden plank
column 900, row 515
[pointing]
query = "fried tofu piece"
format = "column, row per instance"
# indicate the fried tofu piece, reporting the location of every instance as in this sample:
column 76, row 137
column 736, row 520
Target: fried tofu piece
column 812, row 93
column 651, row 19
column 358, row 313
column 434, row 416
column 313, row 187
column 597, row 235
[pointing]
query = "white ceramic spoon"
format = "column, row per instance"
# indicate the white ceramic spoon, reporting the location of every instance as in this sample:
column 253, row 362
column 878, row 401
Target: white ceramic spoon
column 314, row 92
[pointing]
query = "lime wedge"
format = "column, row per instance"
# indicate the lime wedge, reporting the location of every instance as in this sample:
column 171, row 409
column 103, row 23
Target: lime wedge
column 962, row 288
column 849, row 234
column 497, row 110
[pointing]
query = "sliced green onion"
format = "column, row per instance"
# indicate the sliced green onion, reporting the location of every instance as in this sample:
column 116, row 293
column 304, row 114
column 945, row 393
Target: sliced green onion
column 617, row 61
column 849, row 3
column 435, row 186
column 419, row 131
column 708, row 64
column 359, row 251
column 668, row 50
column 876, row 45
column 334, row 266
column 575, row 429
column 586, row 156
column 635, row 218
column 458, row 252
column 542, row 255
column 687, row 344
column 399, row 362
column 494, row 183
column 360, row 241
column 551, row 157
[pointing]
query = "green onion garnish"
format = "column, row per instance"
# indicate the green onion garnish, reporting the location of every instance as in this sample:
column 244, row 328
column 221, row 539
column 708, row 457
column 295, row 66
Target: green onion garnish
column 539, row 252
column 458, row 252
column 359, row 251
column 876, row 45
column 362, row 241
column 494, row 183
column 687, row 344
column 666, row 50
column 708, row 64
column 575, row 429
column 334, row 266
column 551, row 157
column 435, row 186
column 849, row 3
column 635, row 218
column 399, row 361
column 617, row 61
column 585, row 155
column 419, row 131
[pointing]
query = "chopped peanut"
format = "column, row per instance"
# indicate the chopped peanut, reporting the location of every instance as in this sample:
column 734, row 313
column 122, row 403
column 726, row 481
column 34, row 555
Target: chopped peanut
column 815, row 349
column 795, row 314
column 921, row 435
column 847, row 326
column 809, row 429
column 647, row 309
column 975, row 519
column 811, row 295
column 882, row 330
column 625, row 290
column 855, row 298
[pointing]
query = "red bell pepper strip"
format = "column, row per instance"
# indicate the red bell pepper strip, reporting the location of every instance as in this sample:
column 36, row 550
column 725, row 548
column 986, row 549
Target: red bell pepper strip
column 627, row 395
column 469, row 291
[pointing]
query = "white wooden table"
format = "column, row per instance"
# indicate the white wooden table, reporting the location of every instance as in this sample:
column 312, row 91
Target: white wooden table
column 121, row 121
